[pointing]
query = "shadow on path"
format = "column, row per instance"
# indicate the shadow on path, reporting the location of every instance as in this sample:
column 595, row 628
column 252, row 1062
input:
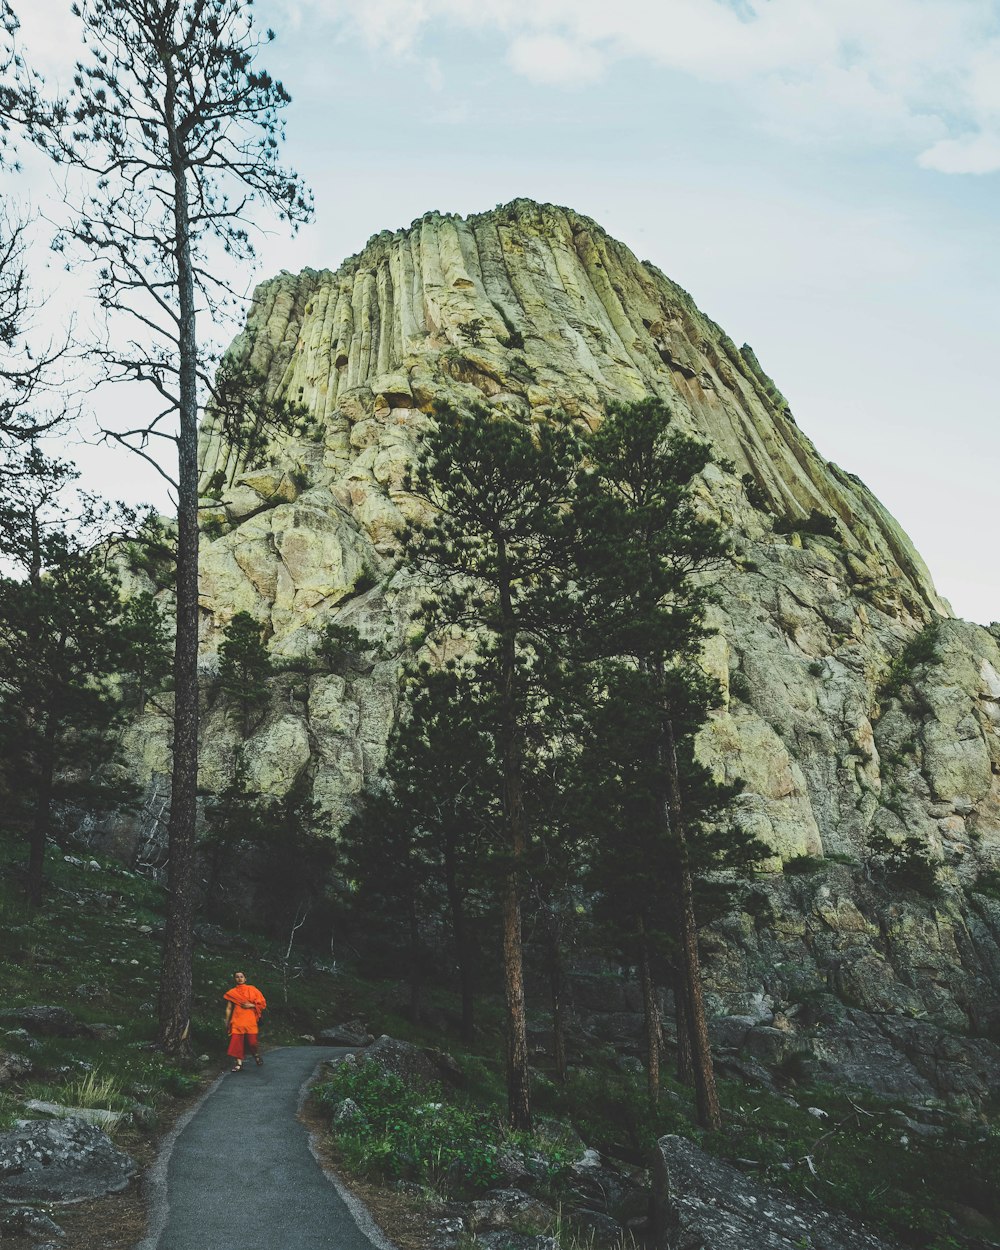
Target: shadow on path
column 238, row 1173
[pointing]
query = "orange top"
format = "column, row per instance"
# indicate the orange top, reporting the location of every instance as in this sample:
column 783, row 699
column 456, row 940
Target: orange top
column 248, row 1002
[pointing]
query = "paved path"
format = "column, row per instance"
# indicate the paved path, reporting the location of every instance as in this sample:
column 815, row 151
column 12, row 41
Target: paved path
column 239, row 1174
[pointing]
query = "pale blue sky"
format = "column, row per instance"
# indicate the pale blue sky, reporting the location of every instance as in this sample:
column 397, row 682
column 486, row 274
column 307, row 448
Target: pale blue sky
column 822, row 179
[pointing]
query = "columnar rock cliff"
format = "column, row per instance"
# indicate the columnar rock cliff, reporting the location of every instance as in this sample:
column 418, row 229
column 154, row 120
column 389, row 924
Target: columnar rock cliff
column 534, row 309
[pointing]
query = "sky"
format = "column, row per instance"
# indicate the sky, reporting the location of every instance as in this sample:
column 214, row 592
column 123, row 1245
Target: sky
column 821, row 175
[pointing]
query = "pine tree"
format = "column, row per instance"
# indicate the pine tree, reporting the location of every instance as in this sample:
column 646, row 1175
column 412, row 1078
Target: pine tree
column 435, row 808
column 645, row 551
column 244, row 668
column 175, row 132
column 68, row 649
column 496, row 554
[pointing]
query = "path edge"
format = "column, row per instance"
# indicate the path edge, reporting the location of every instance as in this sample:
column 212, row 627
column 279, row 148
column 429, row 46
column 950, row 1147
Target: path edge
column 155, row 1180
column 359, row 1212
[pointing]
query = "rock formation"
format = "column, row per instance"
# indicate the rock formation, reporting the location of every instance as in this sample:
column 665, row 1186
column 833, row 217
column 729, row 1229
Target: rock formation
column 532, row 309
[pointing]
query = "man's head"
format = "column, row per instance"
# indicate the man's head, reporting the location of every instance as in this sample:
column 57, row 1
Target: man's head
column 240, row 978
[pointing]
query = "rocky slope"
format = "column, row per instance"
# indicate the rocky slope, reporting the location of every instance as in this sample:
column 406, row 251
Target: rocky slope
column 534, row 308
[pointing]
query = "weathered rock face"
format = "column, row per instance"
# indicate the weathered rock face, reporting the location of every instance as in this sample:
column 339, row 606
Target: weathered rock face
column 700, row 1201
column 532, row 309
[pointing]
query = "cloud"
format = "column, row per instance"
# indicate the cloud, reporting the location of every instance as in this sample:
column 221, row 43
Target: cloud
column 924, row 73
column 968, row 154
column 551, row 59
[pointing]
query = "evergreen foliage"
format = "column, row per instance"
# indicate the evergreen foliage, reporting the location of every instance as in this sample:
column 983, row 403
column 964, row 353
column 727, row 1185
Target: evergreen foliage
column 72, row 655
column 657, row 811
column 497, row 555
column 244, row 668
column 420, row 847
column 918, row 652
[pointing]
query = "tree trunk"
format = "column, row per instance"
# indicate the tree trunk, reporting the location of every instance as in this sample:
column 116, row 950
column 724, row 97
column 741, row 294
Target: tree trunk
column 651, row 1018
column 685, row 1067
column 557, row 984
column 460, row 934
column 176, row 992
column 41, row 818
column 415, row 968
column 706, row 1094
column 518, row 1090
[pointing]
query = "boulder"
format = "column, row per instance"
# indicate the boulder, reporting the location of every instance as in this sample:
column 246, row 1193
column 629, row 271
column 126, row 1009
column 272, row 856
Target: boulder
column 700, row 1201
column 416, row 1065
column 44, row 1021
column 505, row 1240
column 60, row 1161
column 509, row 1209
column 92, row 1115
column 347, row 1112
column 12, row 1067
column 597, row 1230
column 352, row 1034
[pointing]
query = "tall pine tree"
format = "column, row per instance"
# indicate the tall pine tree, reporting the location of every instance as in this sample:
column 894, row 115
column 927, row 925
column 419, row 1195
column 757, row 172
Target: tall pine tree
column 495, row 552
column 645, row 551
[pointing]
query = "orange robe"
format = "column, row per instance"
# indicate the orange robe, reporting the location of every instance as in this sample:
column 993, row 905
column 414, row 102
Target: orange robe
column 248, row 1002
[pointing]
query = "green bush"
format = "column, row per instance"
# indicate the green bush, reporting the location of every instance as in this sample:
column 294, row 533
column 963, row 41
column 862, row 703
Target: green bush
column 802, row 865
column 921, row 650
column 815, row 523
column 755, row 496
column 405, row 1134
column 988, row 883
column 906, row 865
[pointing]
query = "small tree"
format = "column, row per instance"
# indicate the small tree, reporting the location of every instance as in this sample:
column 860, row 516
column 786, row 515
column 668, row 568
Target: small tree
column 175, row 131
column 244, row 668
column 436, row 810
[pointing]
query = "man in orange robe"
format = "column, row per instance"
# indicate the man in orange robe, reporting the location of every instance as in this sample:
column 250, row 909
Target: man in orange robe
column 244, row 1004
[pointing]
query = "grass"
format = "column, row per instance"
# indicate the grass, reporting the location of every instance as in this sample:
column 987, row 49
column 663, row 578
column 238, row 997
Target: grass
column 84, row 949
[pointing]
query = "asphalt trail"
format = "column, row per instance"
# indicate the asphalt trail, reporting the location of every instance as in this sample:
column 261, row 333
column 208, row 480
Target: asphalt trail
column 238, row 1173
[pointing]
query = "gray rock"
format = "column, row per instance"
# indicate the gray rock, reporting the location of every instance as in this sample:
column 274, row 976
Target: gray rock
column 504, row 1240
column 597, row 1230
column 509, row 1209
column 347, row 1112
column 12, row 1067
column 699, row 1202
column 417, row 1066
column 91, row 1115
column 103, row 1032
column 350, row 1034
column 60, row 1161
column 27, row 1222
column 449, row 1232
column 46, row 1021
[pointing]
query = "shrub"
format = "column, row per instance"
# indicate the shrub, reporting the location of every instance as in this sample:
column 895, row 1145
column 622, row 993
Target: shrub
column 921, row 650
column 905, row 865
column 472, row 330
column 988, row 883
column 802, row 865
column 755, row 496
column 815, row 523
column 213, row 527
